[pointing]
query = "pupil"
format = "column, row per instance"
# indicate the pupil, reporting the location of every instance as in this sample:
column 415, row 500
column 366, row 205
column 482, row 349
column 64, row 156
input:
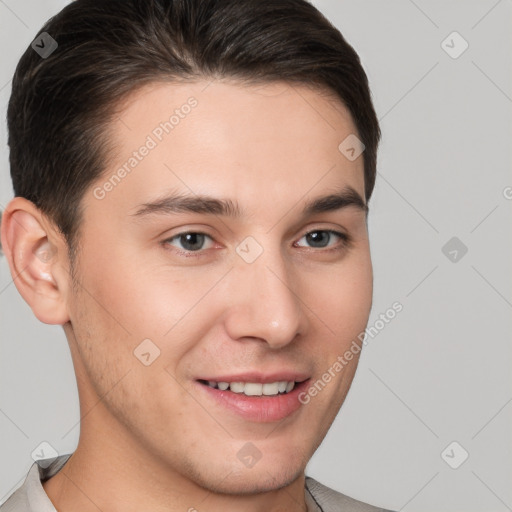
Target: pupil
column 315, row 237
column 193, row 240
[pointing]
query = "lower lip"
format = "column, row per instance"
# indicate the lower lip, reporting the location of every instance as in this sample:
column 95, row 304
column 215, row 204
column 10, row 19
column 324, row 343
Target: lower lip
column 264, row 409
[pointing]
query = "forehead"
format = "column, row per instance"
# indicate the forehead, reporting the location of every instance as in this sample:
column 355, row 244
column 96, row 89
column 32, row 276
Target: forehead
column 255, row 142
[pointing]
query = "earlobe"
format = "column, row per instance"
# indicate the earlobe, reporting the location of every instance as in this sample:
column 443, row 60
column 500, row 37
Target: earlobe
column 32, row 250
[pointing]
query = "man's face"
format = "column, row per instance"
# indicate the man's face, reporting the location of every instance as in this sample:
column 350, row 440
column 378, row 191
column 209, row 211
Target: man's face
column 249, row 298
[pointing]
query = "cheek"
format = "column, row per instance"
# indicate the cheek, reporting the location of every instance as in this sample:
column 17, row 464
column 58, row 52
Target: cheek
column 343, row 298
column 132, row 300
column 130, row 296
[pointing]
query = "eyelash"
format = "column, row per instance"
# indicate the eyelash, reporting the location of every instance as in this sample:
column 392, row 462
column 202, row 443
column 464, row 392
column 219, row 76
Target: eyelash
column 345, row 241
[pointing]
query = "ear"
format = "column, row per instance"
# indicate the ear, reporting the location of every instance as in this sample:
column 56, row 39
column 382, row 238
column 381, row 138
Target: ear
column 37, row 256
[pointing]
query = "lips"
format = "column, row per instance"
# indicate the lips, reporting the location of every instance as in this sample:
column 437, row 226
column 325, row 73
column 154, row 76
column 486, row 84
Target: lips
column 254, row 396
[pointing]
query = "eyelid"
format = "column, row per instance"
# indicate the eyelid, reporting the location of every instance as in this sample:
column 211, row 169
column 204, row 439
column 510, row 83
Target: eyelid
column 345, row 240
column 187, row 232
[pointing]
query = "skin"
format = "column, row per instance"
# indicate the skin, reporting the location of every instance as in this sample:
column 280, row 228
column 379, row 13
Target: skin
column 148, row 439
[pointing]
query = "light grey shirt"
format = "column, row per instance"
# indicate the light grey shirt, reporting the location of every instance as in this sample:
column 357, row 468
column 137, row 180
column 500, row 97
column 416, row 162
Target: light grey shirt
column 31, row 496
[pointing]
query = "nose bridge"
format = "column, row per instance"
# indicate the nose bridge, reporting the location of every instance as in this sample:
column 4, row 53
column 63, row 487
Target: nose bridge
column 266, row 304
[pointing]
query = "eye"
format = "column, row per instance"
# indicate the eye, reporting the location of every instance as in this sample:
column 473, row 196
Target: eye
column 191, row 241
column 320, row 238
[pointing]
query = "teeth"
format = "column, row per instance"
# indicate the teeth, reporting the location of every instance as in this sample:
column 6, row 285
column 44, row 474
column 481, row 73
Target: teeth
column 271, row 388
column 237, row 387
column 254, row 388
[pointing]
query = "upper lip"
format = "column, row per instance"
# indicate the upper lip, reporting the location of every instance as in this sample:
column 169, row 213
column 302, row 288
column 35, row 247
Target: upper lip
column 262, row 378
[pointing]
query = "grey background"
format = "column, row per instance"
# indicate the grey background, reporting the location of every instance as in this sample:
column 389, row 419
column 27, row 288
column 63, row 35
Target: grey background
column 440, row 371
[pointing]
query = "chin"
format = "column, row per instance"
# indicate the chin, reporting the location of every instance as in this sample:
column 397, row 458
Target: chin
column 247, row 481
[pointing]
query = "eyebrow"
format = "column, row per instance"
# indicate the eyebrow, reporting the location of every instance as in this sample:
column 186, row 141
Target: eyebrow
column 204, row 204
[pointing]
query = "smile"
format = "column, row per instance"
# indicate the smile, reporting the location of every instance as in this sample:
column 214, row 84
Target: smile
column 253, row 388
column 261, row 402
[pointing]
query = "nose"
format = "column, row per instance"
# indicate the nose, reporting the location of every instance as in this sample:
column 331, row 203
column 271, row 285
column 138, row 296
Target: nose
column 265, row 302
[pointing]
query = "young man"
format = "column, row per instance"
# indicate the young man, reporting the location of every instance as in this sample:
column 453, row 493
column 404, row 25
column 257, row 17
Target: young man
column 192, row 181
